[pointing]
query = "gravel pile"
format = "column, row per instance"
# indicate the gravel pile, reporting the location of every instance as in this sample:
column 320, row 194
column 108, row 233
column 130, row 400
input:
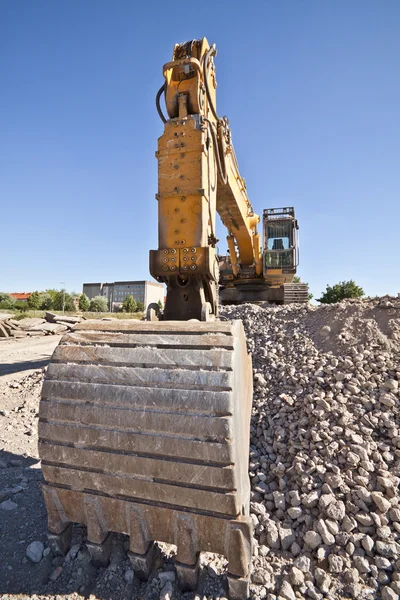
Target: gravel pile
column 325, row 449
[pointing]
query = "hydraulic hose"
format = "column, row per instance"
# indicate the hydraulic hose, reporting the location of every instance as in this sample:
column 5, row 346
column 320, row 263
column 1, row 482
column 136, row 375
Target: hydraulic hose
column 222, row 171
column 211, row 52
column 158, row 105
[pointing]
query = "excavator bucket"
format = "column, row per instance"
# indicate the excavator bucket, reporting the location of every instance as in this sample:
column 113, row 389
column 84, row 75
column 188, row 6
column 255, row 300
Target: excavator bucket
column 144, row 430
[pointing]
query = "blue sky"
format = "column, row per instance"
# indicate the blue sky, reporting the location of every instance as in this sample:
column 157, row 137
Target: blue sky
column 312, row 92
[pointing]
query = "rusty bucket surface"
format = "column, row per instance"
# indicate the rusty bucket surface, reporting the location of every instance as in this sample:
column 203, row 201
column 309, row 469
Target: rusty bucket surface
column 144, row 430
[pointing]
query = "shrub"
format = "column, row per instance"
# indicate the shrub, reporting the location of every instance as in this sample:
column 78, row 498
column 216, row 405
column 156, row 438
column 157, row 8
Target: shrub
column 98, row 304
column 20, row 305
column 6, row 301
column 46, row 301
column 139, row 307
column 129, row 304
column 34, row 301
column 84, row 302
column 340, row 291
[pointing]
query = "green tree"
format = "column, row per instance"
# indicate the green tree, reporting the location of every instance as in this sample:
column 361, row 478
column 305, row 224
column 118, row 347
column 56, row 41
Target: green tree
column 63, row 299
column 6, row 301
column 340, row 291
column 129, row 304
column 84, row 302
column 21, row 305
column 297, row 279
column 52, row 293
column 98, row 304
column 46, row 301
column 34, row 301
column 139, row 307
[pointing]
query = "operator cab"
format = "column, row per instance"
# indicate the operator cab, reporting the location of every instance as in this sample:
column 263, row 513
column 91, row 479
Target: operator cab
column 280, row 240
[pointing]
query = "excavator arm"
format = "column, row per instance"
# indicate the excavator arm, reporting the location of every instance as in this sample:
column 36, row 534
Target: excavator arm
column 198, row 176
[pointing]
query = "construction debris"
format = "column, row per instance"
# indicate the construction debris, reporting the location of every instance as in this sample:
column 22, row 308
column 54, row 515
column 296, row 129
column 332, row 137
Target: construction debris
column 325, row 448
column 53, row 324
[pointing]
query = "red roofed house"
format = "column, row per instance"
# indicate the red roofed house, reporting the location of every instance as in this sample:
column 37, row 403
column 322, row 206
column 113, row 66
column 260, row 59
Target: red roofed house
column 21, row 297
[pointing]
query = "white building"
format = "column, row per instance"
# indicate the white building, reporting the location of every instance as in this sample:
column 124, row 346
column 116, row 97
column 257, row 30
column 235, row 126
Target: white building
column 145, row 292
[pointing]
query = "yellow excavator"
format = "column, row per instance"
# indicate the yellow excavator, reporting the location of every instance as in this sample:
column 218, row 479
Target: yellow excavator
column 144, row 426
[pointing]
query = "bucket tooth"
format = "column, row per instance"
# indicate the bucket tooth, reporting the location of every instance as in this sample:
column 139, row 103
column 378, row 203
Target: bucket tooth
column 144, row 564
column 187, row 557
column 138, row 530
column 60, row 542
column 97, row 529
column 239, row 547
column 100, row 553
column 56, row 516
column 186, row 540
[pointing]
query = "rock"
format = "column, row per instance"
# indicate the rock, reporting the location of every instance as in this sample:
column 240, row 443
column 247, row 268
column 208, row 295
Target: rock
column 392, row 385
column 388, row 594
column 395, row 585
column 273, row 539
column 333, row 480
column 35, row 551
column 361, row 563
column 286, row 591
column 294, row 512
column 8, row 505
column 287, row 537
column 335, row 563
column 303, row 563
column 73, row 552
column 323, row 580
column 386, row 549
column 327, row 537
column 312, row 592
column 383, row 563
column 295, row 549
column 364, row 519
column 312, row 539
column 310, row 500
column 129, row 576
column 353, row 590
column 261, row 576
column 394, row 514
column 294, row 498
column 336, row 510
column 296, row 576
column 367, row 543
column 279, row 500
column 55, row 574
column 384, row 532
column 351, row 576
column 382, row 504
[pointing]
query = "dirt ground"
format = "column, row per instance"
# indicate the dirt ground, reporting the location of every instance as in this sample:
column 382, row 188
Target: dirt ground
column 19, row 358
column 23, row 517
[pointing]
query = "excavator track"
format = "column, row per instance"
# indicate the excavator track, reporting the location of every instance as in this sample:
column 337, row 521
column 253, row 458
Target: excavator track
column 144, row 430
column 287, row 293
